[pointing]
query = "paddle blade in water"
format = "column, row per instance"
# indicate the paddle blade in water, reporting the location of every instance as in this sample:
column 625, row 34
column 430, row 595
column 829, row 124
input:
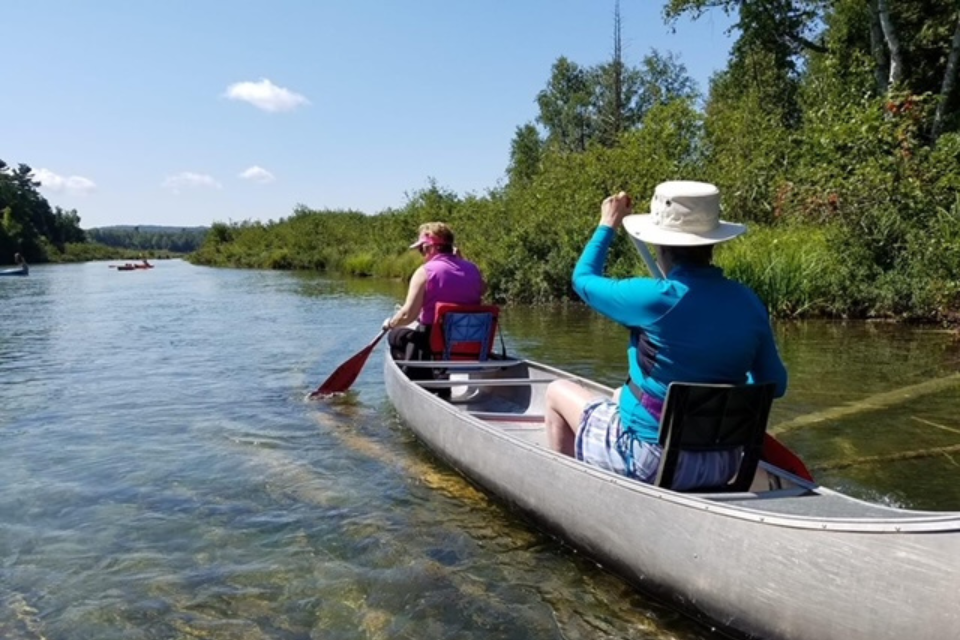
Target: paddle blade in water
column 345, row 375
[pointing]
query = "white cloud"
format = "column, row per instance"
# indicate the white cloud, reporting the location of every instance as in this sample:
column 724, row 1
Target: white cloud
column 190, row 180
column 266, row 95
column 76, row 185
column 258, row 174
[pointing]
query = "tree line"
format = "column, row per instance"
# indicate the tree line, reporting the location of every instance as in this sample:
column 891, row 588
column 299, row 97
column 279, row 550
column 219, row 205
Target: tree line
column 28, row 224
column 150, row 238
column 832, row 130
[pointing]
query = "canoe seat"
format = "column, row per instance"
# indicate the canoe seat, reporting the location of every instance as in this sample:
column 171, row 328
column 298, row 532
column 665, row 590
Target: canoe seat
column 463, row 332
column 702, row 417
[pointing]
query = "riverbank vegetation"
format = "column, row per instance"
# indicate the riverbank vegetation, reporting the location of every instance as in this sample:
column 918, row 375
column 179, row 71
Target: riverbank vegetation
column 28, row 224
column 833, row 132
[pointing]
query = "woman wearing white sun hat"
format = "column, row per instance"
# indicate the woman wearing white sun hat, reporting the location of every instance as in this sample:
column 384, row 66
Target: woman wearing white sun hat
column 692, row 325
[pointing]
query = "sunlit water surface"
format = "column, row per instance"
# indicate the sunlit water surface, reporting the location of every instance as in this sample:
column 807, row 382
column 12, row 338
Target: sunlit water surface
column 161, row 475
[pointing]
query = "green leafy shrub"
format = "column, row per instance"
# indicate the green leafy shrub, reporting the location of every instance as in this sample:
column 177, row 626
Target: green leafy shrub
column 793, row 270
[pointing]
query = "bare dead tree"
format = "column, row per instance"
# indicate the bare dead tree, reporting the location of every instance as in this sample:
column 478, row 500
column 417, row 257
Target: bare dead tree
column 878, row 49
column 617, row 72
column 949, row 81
column 893, row 43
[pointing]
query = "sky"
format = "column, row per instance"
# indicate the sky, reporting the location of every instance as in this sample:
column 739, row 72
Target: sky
column 185, row 113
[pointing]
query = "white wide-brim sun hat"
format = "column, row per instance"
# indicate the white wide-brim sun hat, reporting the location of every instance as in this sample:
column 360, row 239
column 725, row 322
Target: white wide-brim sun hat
column 683, row 214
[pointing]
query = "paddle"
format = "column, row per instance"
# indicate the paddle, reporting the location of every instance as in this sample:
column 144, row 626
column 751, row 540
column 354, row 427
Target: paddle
column 774, row 451
column 344, row 375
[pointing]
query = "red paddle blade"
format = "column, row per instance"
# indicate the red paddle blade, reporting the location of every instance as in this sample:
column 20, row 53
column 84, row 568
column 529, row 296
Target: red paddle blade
column 777, row 454
column 345, row 375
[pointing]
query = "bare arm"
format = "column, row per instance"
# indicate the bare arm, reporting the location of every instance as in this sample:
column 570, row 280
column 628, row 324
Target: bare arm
column 414, row 302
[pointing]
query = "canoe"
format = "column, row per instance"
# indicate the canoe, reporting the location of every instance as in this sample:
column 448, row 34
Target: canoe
column 18, row 271
column 788, row 560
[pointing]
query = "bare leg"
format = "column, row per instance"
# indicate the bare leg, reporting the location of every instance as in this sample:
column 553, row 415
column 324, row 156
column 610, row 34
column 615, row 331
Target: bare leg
column 564, row 407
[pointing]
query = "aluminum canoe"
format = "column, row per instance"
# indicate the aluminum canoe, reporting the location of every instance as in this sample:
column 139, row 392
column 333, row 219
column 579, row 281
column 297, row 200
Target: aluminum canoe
column 789, row 560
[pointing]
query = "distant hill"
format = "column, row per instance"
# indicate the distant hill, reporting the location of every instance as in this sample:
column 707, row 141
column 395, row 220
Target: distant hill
column 150, row 228
column 149, row 237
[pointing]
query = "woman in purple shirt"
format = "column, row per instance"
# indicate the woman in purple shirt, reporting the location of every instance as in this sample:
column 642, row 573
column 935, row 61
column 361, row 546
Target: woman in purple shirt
column 443, row 277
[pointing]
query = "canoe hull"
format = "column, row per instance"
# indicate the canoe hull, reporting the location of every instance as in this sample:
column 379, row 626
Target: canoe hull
column 750, row 573
column 14, row 272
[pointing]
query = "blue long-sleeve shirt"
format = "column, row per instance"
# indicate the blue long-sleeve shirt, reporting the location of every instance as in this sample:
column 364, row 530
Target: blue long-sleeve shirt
column 693, row 326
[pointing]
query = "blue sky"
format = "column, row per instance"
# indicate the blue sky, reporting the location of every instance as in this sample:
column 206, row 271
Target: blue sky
column 187, row 112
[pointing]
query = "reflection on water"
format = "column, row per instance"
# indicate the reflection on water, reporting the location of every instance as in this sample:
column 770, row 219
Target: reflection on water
column 162, row 477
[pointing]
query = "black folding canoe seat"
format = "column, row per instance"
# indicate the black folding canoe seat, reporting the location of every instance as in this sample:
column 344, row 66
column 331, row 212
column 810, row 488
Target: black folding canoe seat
column 700, row 417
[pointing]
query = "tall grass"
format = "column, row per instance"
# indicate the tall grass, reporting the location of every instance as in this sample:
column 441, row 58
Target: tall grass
column 359, row 264
column 792, row 269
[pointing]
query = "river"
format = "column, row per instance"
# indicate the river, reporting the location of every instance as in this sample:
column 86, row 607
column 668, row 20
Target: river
column 162, row 476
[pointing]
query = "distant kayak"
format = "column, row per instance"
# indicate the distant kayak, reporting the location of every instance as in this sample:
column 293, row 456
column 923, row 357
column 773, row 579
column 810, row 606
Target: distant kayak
column 19, row 271
column 130, row 267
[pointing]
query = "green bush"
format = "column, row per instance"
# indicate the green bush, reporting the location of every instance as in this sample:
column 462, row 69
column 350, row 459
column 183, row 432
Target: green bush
column 362, row 264
column 793, row 270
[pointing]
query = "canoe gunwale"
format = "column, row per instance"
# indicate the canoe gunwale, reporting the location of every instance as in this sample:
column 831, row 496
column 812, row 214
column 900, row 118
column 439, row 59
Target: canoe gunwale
column 459, row 364
column 491, row 382
column 922, row 523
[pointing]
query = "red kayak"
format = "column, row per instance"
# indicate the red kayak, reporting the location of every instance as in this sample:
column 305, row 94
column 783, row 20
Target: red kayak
column 130, row 266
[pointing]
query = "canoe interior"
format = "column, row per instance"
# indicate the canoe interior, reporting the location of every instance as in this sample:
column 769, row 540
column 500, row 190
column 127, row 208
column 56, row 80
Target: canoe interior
column 516, row 409
column 508, row 395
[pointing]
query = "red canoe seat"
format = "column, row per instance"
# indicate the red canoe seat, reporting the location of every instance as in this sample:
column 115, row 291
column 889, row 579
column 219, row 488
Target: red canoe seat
column 463, row 332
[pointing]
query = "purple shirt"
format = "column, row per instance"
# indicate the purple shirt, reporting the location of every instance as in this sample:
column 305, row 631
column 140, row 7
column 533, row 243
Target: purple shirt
column 450, row 279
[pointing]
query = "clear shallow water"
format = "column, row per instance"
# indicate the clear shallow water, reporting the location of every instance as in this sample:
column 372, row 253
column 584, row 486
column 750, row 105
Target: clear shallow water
column 162, row 477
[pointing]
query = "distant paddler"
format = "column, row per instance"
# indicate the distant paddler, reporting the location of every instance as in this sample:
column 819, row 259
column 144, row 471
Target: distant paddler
column 21, row 269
